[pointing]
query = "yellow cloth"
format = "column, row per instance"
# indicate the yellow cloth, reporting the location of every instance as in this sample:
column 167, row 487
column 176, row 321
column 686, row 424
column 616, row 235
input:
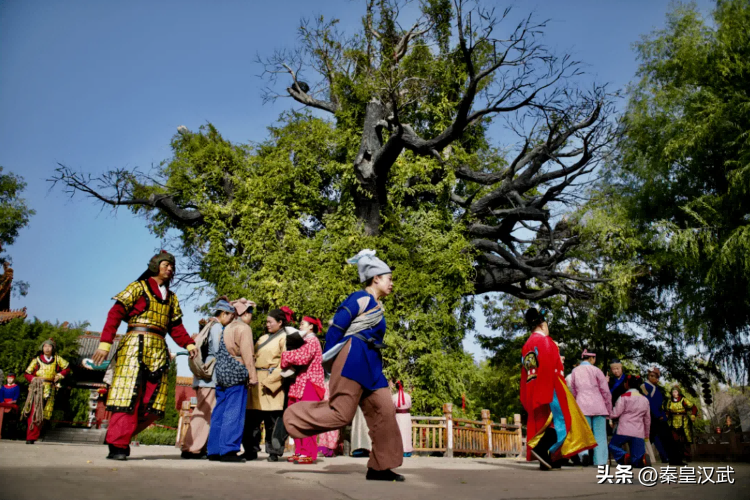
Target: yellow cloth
column 579, row 436
column 158, row 313
column 139, row 350
column 47, row 371
column 267, row 394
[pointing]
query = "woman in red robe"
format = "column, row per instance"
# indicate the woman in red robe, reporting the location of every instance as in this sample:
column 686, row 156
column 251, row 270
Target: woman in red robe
column 556, row 427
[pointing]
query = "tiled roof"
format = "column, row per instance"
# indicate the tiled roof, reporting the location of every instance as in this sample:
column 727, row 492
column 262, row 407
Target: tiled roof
column 88, row 342
column 184, row 381
column 6, row 316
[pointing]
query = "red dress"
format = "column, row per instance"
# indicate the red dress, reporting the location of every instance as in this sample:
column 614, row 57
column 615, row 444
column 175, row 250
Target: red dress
column 548, row 402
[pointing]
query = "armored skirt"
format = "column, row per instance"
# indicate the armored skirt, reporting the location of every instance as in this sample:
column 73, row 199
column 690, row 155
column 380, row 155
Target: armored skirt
column 140, row 355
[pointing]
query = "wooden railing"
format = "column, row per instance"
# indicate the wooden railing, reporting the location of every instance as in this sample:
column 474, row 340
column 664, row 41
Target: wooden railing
column 482, row 437
column 441, row 434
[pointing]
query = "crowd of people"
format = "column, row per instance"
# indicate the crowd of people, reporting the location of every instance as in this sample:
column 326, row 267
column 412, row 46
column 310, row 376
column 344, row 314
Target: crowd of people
column 284, row 384
column 287, row 385
column 587, row 416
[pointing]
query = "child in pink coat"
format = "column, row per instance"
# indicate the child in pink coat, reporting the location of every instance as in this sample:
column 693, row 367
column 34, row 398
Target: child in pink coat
column 634, row 420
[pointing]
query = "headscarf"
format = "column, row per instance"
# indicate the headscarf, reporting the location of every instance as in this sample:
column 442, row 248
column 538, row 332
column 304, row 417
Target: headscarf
column 288, row 313
column 223, row 305
column 401, row 400
column 242, row 305
column 587, row 354
column 368, row 265
column 314, row 321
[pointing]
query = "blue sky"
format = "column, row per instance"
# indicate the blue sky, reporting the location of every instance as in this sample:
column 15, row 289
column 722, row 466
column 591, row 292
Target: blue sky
column 99, row 85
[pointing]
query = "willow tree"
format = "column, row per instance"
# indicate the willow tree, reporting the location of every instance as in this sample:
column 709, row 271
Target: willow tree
column 392, row 150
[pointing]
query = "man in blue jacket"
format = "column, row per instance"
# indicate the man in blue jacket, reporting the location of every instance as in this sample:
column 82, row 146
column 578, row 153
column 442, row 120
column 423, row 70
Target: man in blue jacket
column 352, row 356
column 659, row 432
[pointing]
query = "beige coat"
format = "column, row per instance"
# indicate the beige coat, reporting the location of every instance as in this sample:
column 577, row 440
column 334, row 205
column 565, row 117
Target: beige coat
column 268, row 394
column 238, row 338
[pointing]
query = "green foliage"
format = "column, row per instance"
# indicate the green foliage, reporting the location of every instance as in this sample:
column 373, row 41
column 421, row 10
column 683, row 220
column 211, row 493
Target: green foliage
column 14, row 212
column 20, row 341
column 292, row 230
column 684, row 173
column 496, row 389
column 71, row 405
column 157, row 436
column 171, row 414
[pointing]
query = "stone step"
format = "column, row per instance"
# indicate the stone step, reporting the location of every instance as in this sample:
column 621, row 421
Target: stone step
column 73, row 435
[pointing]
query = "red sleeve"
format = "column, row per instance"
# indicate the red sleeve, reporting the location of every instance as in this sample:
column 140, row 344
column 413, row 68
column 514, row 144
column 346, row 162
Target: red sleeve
column 180, row 335
column 116, row 315
column 298, row 357
column 549, row 362
column 65, row 372
column 693, row 410
column 28, row 377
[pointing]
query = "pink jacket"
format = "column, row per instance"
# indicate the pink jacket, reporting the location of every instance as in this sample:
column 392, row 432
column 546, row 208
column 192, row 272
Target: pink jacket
column 634, row 415
column 589, row 387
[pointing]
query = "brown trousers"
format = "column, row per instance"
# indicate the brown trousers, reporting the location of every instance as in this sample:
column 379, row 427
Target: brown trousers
column 196, row 437
column 305, row 419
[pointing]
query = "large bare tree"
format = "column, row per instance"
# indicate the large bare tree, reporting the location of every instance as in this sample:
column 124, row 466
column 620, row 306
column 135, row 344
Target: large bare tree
column 455, row 75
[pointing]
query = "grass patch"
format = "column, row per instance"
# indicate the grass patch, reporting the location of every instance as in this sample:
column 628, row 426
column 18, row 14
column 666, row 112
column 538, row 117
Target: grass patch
column 157, row 435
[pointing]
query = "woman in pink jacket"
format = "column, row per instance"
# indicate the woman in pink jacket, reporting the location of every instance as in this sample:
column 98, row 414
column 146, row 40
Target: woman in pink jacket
column 634, row 420
column 589, row 386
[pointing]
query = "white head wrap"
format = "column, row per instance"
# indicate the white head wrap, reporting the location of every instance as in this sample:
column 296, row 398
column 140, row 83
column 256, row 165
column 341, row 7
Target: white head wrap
column 368, row 265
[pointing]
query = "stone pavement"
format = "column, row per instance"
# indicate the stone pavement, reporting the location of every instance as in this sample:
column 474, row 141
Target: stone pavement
column 73, row 472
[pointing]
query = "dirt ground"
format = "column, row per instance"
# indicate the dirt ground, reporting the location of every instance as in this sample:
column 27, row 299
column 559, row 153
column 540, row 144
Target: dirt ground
column 56, row 471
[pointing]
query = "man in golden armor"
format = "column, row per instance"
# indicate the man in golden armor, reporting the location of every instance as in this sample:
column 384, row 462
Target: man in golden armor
column 49, row 368
column 138, row 389
column 681, row 414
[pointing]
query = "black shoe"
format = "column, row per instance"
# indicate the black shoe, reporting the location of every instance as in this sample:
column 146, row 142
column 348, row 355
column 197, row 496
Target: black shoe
column 213, row 458
column 384, row 475
column 273, row 457
column 250, row 456
column 544, row 461
column 586, row 460
column 557, row 465
column 116, row 453
column 194, row 456
column 30, row 441
column 232, row 457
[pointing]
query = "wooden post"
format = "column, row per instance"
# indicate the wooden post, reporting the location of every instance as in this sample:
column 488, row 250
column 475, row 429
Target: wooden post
column 488, row 429
column 448, row 413
column 519, row 435
column 183, row 423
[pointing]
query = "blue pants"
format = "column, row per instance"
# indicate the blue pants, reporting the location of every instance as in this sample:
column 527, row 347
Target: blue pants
column 660, row 436
column 227, row 420
column 637, row 447
column 598, row 424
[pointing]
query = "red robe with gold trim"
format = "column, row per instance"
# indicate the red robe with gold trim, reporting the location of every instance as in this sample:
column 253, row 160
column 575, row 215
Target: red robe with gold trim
column 548, row 402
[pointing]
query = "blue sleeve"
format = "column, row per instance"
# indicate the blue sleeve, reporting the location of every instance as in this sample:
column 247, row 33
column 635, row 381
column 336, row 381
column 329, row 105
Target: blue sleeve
column 214, row 339
column 2, row 394
column 344, row 316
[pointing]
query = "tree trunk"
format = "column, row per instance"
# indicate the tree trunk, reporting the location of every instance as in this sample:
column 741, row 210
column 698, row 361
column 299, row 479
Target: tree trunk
column 367, row 199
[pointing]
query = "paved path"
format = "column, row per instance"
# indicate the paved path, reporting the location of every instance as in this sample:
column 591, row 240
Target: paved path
column 80, row 472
